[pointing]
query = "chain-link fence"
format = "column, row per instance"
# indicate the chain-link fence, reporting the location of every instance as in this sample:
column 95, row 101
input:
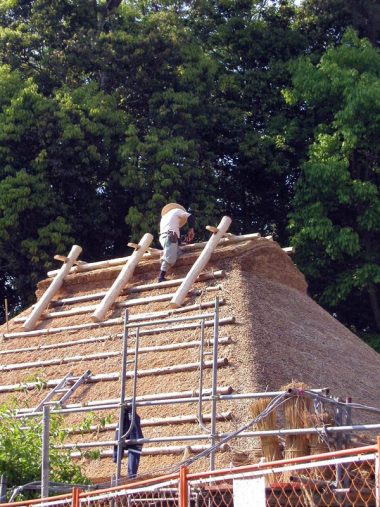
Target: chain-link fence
column 345, row 481
column 156, row 493
column 343, row 478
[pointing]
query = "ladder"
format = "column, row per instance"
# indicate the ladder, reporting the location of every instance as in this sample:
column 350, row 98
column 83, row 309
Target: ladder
column 65, row 388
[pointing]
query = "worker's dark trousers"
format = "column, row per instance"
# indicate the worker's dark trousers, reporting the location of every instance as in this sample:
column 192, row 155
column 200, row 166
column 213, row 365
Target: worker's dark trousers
column 133, row 462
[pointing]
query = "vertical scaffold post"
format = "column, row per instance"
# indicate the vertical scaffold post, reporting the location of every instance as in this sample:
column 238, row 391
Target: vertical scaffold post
column 122, row 398
column 75, row 501
column 214, row 387
column 200, row 385
column 3, row 489
column 45, row 452
column 183, row 487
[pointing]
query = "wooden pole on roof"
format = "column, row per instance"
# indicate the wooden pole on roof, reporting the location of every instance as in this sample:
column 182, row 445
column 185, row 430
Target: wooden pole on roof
column 125, row 274
column 54, row 287
column 200, row 263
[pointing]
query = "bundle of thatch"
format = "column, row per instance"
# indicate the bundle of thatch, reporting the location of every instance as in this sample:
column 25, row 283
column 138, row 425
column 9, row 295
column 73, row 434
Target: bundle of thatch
column 270, row 445
column 318, row 443
column 240, row 458
column 296, row 411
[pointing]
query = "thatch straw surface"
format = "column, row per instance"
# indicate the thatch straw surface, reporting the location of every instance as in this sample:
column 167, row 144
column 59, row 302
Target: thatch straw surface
column 279, row 334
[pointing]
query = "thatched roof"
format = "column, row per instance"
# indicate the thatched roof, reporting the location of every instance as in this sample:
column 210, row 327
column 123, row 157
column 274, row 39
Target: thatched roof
column 278, row 334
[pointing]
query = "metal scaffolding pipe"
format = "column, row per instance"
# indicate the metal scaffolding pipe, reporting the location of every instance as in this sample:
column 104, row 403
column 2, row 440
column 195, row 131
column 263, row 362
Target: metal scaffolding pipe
column 200, row 384
column 122, row 396
column 214, row 382
column 246, row 434
column 45, row 452
column 162, row 401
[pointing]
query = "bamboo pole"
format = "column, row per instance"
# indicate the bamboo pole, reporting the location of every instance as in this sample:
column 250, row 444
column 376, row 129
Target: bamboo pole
column 177, row 368
column 53, row 289
column 123, row 304
column 229, row 239
column 60, row 345
column 125, row 274
column 137, row 289
column 112, row 322
column 200, row 263
column 104, row 355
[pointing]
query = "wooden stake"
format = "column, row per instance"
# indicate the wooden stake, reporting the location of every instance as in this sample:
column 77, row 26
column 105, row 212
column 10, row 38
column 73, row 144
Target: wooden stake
column 56, row 284
column 125, row 274
column 200, row 263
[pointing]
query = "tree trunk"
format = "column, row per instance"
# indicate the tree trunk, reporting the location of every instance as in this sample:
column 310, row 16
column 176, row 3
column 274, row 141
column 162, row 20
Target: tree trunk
column 374, row 302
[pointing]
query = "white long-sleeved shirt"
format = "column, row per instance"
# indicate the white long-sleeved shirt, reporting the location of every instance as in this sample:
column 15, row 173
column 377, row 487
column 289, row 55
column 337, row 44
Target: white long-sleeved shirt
column 172, row 219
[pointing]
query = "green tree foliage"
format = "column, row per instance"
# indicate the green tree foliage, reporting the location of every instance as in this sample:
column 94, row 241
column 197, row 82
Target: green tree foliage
column 31, row 225
column 336, row 222
column 257, row 153
column 167, row 153
column 324, row 22
column 101, row 124
column 21, row 452
column 110, row 109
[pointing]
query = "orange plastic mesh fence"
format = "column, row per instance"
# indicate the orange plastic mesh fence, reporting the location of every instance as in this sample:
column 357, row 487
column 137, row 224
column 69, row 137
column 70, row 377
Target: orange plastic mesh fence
column 335, row 482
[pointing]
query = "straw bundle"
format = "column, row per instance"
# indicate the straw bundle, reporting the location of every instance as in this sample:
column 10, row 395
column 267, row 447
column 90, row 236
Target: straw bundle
column 317, row 443
column 240, row 458
column 270, row 445
column 296, row 410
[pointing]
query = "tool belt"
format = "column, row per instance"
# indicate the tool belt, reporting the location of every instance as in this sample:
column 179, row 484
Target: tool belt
column 172, row 237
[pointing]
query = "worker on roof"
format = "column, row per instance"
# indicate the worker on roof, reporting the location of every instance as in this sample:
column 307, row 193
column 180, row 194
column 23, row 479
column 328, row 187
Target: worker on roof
column 173, row 217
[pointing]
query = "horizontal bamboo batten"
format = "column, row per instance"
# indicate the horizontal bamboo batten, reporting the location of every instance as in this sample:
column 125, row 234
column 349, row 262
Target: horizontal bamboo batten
column 106, row 355
column 106, row 323
column 116, row 336
column 90, row 266
column 116, row 375
column 203, row 277
column 123, row 304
